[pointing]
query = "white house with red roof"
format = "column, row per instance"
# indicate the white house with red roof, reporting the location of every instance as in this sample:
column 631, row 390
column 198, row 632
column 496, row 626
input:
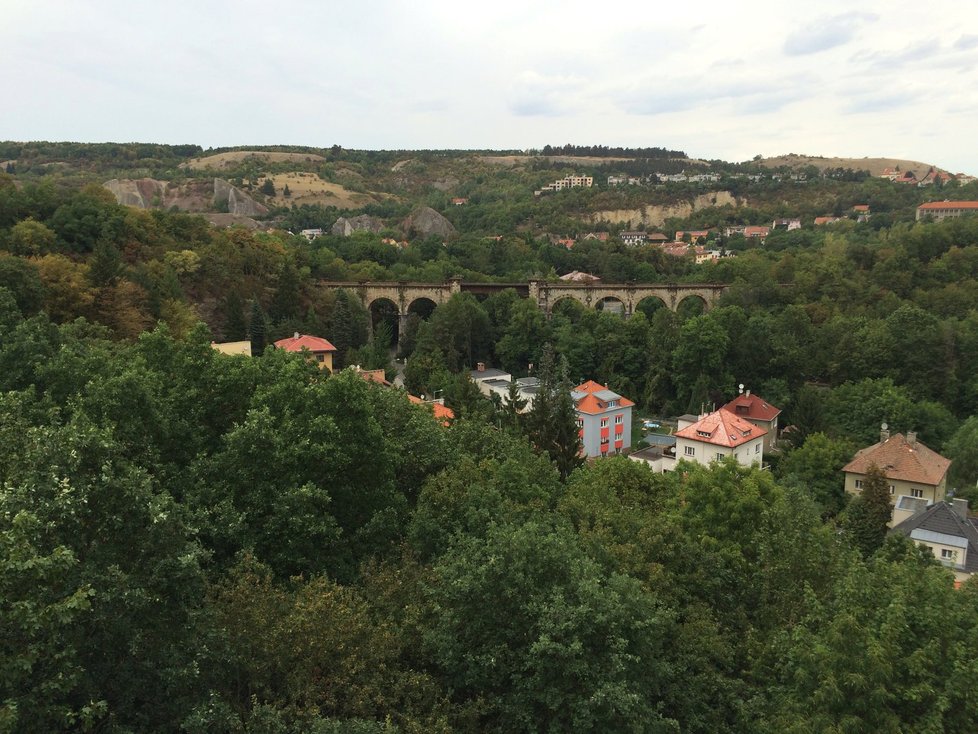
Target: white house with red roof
column 604, row 419
column 319, row 349
column 720, row 435
column 756, row 410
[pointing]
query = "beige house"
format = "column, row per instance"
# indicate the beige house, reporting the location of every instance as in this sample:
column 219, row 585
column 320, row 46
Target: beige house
column 949, row 533
column 319, row 350
column 233, row 347
column 910, row 467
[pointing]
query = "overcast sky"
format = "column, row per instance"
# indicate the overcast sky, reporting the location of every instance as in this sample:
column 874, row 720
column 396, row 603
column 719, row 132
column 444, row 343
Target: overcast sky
column 718, row 80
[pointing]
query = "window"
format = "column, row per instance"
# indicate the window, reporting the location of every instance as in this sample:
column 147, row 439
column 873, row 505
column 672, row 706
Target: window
column 757, row 449
column 949, row 555
column 604, row 422
column 690, row 451
column 604, row 440
column 719, row 456
column 859, row 484
column 618, row 420
column 892, row 489
column 916, row 492
column 580, row 423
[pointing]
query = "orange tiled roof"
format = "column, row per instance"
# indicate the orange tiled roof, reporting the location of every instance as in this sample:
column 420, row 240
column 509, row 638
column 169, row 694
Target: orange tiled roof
column 752, row 406
column 592, row 404
column 899, row 459
column 860, row 208
column 949, row 205
column 303, row 341
column 442, row 412
column 722, row 428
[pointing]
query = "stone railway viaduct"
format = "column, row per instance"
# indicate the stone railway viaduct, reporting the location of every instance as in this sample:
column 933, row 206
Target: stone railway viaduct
column 545, row 294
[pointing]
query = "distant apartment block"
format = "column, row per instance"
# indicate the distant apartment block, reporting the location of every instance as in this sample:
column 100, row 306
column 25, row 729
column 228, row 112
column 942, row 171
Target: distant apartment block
column 941, row 210
column 568, row 182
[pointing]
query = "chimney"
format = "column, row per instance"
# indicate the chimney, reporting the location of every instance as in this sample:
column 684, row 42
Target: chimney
column 480, row 366
column 912, row 438
column 960, row 507
column 296, row 335
column 884, row 433
column 747, row 393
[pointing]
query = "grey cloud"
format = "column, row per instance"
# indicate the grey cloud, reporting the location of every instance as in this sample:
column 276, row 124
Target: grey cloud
column 891, row 60
column 862, row 104
column 535, row 107
column 826, row 33
column 966, row 42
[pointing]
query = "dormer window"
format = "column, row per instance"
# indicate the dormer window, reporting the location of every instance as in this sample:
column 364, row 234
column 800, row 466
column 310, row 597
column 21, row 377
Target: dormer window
column 704, row 434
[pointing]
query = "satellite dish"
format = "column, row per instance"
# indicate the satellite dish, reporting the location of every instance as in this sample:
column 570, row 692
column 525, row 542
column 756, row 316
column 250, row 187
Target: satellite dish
column 741, row 386
column 884, row 426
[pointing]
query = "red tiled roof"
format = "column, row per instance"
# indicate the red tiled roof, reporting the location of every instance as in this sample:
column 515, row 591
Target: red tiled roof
column 756, row 231
column 860, row 208
column 721, row 428
column 949, row 205
column 899, row 459
column 304, row 341
column 754, row 407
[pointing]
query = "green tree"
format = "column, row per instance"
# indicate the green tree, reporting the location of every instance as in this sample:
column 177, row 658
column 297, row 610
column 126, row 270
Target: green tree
column 865, row 519
column 287, row 299
column 524, row 623
column 267, row 187
column 552, row 422
column 30, row 237
column 349, row 324
column 512, row 408
column 962, row 449
column 257, row 329
column 816, row 467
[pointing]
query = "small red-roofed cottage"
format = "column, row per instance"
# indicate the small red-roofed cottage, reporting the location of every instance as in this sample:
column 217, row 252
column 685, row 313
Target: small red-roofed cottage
column 720, row 435
column 757, row 410
column 604, row 419
column 319, row 349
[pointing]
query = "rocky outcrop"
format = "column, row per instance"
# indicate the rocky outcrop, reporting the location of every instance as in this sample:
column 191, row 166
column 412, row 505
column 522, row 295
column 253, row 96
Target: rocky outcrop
column 238, row 202
column 143, row 193
column 345, row 226
column 656, row 215
column 191, row 196
column 426, row 222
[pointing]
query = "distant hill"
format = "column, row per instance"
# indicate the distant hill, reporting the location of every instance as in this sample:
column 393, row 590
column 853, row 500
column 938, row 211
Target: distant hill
column 308, row 188
column 874, row 165
column 232, row 158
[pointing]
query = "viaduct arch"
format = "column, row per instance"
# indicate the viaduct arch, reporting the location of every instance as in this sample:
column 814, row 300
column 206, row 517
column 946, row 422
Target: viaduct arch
column 544, row 293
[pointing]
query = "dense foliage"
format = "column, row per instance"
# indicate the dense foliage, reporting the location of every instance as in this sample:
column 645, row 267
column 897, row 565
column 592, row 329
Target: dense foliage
column 202, row 543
